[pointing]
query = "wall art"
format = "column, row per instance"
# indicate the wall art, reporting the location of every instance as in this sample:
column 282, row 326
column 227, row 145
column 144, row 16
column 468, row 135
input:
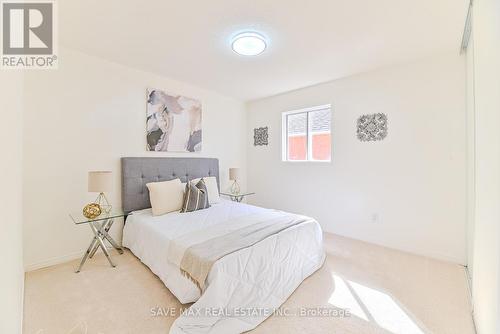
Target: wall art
column 372, row 127
column 173, row 122
column 260, row 136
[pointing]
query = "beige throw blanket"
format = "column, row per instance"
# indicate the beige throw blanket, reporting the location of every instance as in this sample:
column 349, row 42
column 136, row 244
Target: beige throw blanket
column 197, row 259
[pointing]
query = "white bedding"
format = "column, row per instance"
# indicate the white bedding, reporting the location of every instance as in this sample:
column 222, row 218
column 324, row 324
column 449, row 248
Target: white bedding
column 260, row 277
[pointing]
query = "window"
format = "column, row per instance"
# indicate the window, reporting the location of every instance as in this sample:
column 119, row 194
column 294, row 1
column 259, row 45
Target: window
column 307, row 134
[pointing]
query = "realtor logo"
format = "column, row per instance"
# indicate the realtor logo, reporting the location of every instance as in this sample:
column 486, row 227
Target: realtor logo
column 28, row 35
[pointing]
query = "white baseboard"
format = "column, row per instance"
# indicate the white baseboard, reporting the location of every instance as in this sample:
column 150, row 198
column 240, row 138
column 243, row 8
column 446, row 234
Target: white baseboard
column 468, row 277
column 406, row 249
column 57, row 260
column 53, row 261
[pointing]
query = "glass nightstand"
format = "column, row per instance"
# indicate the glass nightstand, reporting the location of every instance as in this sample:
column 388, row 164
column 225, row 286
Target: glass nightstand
column 237, row 197
column 100, row 226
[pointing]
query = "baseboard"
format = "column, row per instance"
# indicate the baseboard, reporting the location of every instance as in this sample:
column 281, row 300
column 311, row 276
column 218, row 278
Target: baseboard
column 53, row 261
column 468, row 277
column 22, row 303
column 58, row 260
column 410, row 250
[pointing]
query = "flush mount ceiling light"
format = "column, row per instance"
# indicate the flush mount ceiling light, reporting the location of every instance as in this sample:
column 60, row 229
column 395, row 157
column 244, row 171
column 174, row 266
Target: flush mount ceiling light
column 249, row 44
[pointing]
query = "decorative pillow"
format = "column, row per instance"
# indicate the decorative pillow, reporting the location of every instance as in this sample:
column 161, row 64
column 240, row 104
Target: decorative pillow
column 195, row 197
column 165, row 196
column 213, row 189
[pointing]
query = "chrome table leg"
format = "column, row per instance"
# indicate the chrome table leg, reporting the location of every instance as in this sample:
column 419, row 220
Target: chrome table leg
column 106, row 235
column 104, row 231
column 97, row 242
column 86, row 254
column 97, row 245
column 100, row 230
column 98, row 234
column 113, row 243
column 92, row 253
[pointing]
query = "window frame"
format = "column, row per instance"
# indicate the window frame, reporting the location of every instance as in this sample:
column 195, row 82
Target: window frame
column 284, row 133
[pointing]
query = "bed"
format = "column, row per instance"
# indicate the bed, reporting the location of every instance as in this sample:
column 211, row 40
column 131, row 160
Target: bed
column 244, row 287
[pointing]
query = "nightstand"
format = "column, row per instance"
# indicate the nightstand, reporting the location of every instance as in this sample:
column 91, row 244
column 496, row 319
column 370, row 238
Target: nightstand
column 237, row 197
column 100, row 227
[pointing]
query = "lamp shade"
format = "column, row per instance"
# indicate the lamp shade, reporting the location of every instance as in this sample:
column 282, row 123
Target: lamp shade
column 100, row 182
column 234, row 174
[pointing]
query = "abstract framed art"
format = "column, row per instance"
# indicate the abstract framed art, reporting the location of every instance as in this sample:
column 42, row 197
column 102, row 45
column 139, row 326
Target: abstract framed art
column 173, row 122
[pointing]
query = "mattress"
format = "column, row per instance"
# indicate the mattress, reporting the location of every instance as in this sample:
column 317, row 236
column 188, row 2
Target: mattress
column 260, row 277
column 148, row 237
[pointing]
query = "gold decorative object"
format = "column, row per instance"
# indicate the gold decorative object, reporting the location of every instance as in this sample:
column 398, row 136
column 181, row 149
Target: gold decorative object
column 92, row 210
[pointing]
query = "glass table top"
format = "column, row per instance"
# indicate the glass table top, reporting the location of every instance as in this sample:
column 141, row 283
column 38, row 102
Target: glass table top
column 79, row 218
column 237, row 195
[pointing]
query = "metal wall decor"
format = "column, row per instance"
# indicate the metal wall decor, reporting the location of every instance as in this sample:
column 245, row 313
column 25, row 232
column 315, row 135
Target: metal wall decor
column 261, row 136
column 372, row 127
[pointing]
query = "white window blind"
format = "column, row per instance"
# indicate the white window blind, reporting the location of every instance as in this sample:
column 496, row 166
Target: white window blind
column 307, row 134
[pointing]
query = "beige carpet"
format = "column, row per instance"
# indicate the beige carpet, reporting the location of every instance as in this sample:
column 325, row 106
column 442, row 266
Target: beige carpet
column 386, row 291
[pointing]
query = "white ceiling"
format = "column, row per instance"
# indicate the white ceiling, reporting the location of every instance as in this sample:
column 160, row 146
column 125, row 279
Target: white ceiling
column 310, row 41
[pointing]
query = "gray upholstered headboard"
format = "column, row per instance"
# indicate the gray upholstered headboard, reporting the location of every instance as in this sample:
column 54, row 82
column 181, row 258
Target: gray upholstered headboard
column 136, row 172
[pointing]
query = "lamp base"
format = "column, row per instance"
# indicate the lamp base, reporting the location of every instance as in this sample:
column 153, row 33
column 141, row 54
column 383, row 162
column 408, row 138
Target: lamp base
column 235, row 188
column 103, row 203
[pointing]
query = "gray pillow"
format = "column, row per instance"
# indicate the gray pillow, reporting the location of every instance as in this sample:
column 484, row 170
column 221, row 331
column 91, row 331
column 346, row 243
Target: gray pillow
column 195, row 197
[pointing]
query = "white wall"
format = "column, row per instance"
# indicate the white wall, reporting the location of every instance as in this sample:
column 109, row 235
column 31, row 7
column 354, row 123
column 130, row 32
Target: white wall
column 414, row 180
column 486, row 262
column 11, row 256
column 471, row 160
column 85, row 116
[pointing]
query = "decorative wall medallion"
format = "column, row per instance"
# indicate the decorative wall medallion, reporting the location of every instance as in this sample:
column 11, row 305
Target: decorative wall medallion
column 260, row 136
column 372, row 127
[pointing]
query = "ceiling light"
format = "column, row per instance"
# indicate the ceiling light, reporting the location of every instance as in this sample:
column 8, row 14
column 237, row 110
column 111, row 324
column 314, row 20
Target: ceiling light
column 249, row 44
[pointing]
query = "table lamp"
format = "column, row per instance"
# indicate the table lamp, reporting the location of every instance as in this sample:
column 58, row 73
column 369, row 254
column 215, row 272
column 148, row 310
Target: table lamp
column 101, row 182
column 234, row 175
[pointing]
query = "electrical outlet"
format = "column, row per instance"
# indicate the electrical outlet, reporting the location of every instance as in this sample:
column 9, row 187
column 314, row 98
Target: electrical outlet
column 375, row 218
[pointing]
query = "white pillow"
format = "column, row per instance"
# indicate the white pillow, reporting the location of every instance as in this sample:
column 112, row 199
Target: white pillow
column 165, row 196
column 213, row 190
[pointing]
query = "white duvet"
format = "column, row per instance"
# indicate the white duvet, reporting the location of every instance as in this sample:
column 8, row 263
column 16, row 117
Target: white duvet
column 243, row 287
